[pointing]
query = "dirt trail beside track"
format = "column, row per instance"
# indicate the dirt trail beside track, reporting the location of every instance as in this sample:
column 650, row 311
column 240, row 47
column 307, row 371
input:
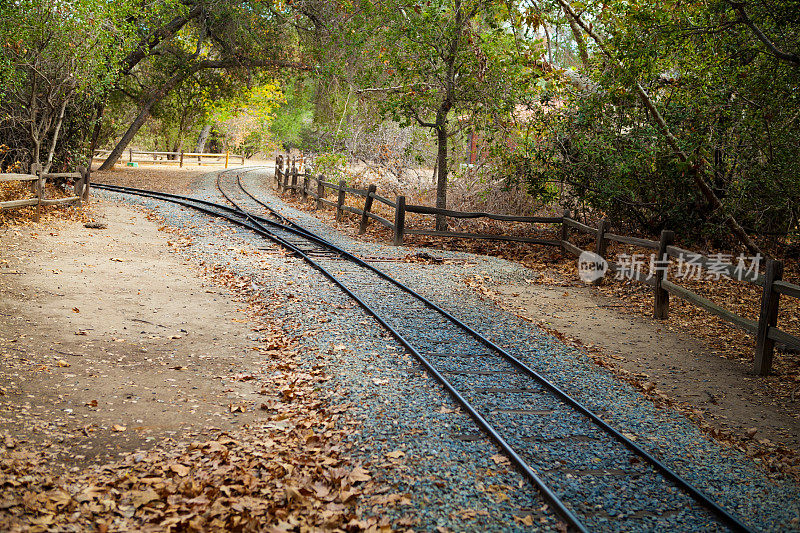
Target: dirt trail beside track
column 110, row 341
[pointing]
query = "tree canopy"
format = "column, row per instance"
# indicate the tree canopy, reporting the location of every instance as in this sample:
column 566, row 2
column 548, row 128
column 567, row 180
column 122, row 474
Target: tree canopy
column 676, row 114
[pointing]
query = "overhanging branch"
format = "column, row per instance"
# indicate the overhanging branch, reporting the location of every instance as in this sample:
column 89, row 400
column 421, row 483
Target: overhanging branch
column 792, row 59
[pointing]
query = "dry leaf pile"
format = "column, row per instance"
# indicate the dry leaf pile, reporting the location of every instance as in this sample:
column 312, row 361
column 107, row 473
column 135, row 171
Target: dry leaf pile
column 11, row 190
column 279, row 477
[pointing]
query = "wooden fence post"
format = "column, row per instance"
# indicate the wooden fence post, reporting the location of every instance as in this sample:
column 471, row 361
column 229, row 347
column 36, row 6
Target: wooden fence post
column 340, row 201
column 80, row 184
column 320, row 191
column 242, row 159
column 768, row 318
column 399, row 220
column 367, row 208
column 227, row 154
column 36, row 168
column 661, row 296
column 181, row 163
column 294, row 177
column 286, row 175
column 564, row 227
column 601, row 245
column 305, row 187
column 278, row 169
column 86, row 178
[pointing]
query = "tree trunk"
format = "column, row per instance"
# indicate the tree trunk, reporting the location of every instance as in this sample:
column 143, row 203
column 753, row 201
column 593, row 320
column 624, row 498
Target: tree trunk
column 580, row 41
column 141, row 118
column 56, row 134
column 203, row 138
column 441, row 179
column 98, row 124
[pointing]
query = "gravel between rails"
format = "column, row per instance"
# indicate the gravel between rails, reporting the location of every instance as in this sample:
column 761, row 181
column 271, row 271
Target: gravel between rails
column 447, row 469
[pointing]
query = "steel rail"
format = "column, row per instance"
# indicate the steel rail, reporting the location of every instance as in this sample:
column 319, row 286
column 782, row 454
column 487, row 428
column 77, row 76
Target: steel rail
column 722, row 514
column 293, row 227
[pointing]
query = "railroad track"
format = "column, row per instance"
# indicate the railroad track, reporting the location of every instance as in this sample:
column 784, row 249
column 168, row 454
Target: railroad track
column 574, row 469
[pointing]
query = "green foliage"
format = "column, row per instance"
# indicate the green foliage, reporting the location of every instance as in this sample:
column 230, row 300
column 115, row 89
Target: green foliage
column 293, row 118
column 331, row 165
column 56, row 56
column 244, row 120
column 731, row 103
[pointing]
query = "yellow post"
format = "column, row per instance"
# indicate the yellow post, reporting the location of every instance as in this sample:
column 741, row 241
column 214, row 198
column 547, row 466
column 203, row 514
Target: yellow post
column 226, row 158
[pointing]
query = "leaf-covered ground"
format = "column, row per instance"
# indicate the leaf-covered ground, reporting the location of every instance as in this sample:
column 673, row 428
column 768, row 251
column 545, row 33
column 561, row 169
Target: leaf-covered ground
column 286, row 470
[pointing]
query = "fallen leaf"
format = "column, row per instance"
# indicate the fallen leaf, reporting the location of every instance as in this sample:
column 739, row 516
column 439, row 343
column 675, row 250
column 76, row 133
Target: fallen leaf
column 524, row 520
column 143, row 497
column 359, row 474
column 397, row 454
column 500, row 459
column 76, row 310
column 62, row 364
column 117, row 427
column 214, row 446
column 181, row 470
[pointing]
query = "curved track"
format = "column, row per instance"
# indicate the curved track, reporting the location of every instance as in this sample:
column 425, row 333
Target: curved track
column 483, row 378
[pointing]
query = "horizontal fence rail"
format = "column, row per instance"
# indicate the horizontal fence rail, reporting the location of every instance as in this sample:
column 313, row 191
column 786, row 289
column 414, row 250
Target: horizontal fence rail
column 174, row 157
column 290, row 176
column 80, row 180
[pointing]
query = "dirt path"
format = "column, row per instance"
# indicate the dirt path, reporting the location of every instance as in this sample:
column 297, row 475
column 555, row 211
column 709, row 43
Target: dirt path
column 109, row 341
column 663, row 360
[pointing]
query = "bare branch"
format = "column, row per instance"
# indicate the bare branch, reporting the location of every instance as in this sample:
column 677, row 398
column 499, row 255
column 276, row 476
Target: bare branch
column 393, row 89
column 415, row 116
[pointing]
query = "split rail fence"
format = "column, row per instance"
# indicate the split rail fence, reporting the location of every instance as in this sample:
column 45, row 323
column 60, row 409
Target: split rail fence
column 289, row 177
column 174, row 157
column 38, row 181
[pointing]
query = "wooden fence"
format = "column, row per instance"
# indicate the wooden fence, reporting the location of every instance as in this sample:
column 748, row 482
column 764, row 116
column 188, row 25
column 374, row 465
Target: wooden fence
column 765, row 329
column 38, row 179
column 174, row 157
column 288, row 177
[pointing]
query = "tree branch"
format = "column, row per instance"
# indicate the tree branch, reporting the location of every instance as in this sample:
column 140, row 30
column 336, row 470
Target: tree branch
column 792, row 59
column 151, row 41
column 392, row 89
column 415, row 116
